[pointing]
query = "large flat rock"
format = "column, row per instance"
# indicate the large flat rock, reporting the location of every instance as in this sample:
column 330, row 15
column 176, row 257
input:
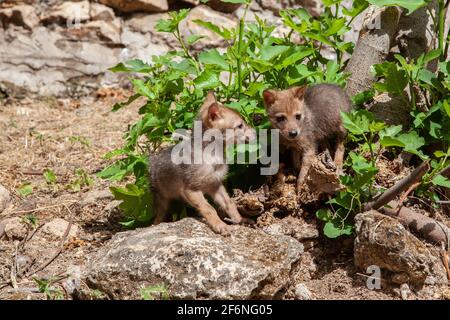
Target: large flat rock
column 194, row 262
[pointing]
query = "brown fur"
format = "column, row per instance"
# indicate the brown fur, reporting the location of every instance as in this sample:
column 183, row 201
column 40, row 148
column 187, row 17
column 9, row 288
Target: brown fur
column 308, row 119
column 190, row 182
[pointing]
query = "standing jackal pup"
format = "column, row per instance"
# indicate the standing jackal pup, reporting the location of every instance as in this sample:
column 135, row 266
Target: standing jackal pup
column 190, row 182
column 309, row 119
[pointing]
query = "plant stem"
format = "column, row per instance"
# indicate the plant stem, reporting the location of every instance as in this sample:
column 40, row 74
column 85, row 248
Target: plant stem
column 238, row 58
column 239, row 55
column 185, row 49
column 413, row 96
column 441, row 32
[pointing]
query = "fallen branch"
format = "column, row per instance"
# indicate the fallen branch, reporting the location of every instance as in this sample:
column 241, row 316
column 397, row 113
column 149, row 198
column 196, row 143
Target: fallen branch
column 426, row 227
column 55, row 255
column 404, row 184
column 444, row 254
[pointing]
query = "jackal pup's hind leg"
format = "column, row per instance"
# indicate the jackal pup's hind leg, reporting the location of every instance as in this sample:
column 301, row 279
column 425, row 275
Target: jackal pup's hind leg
column 160, row 206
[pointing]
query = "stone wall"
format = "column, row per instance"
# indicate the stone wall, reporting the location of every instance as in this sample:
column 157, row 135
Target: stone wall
column 60, row 48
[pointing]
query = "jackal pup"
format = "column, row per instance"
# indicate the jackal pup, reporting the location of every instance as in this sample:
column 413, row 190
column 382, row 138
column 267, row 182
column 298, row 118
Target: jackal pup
column 309, row 119
column 190, row 182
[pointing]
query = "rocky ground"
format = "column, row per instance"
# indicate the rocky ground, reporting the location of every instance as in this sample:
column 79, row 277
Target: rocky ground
column 60, row 48
column 291, row 261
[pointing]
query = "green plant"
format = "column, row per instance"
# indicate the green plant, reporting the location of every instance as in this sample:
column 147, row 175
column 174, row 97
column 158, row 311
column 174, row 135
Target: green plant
column 81, row 180
column 25, row 189
column 175, row 84
column 49, row 176
column 31, row 219
column 427, row 137
column 255, row 58
column 80, row 139
column 159, row 291
column 45, row 286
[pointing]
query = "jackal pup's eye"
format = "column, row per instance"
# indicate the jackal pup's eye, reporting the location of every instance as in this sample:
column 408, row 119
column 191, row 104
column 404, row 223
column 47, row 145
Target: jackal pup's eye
column 298, row 116
column 280, row 118
column 241, row 126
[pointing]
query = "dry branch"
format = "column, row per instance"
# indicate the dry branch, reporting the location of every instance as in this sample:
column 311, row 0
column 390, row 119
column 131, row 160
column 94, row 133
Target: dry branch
column 426, row 227
column 399, row 187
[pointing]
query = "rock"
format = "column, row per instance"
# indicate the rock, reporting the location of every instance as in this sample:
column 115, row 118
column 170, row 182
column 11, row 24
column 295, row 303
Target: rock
column 5, row 198
column 384, row 242
column 95, row 196
column 14, row 228
column 137, row 5
column 193, row 262
column 223, row 6
column 392, row 109
column 49, row 62
column 57, row 227
column 21, row 15
column 404, row 291
column 101, row 12
column 69, row 12
column 145, row 23
column 107, row 31
column 204, row 13
column 302, row 292
column 73, row 282
column 314, row 7
column 140, row 46
column 294, row 227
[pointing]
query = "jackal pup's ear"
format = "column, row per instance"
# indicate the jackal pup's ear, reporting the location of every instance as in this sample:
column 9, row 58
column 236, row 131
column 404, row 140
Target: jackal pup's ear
column 209, row 100
column 269, row 97
column 299, row 92
column 214, row 112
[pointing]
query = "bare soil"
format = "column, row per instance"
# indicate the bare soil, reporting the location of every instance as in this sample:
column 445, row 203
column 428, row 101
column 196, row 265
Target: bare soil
column 65, row 135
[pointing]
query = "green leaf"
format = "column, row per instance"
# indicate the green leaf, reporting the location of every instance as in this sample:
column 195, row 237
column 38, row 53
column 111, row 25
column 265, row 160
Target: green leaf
column 323, row 214
column 446, row 105
column 395, row 79
column 390, row 131
column 132, row 66
column 358, row 122
column 207, row 80
column 213, row 57
column 427, row 76
column 335, row 26
column 136, row 202
column 142, row 88
column 441, row 181
column 363, row 97
column 193, row 38
column 25, row 189
column 411, row 5
column 170, row 25
column 49, row 176
column 358, row 7
column 223, row 32
column 411, row 142
column 130, row 100
column 334, row 229
column 430, row 56
column 269, row 52
column 299, row 54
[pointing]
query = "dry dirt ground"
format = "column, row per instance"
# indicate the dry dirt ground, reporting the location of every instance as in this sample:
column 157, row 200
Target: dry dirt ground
column 66, row 135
